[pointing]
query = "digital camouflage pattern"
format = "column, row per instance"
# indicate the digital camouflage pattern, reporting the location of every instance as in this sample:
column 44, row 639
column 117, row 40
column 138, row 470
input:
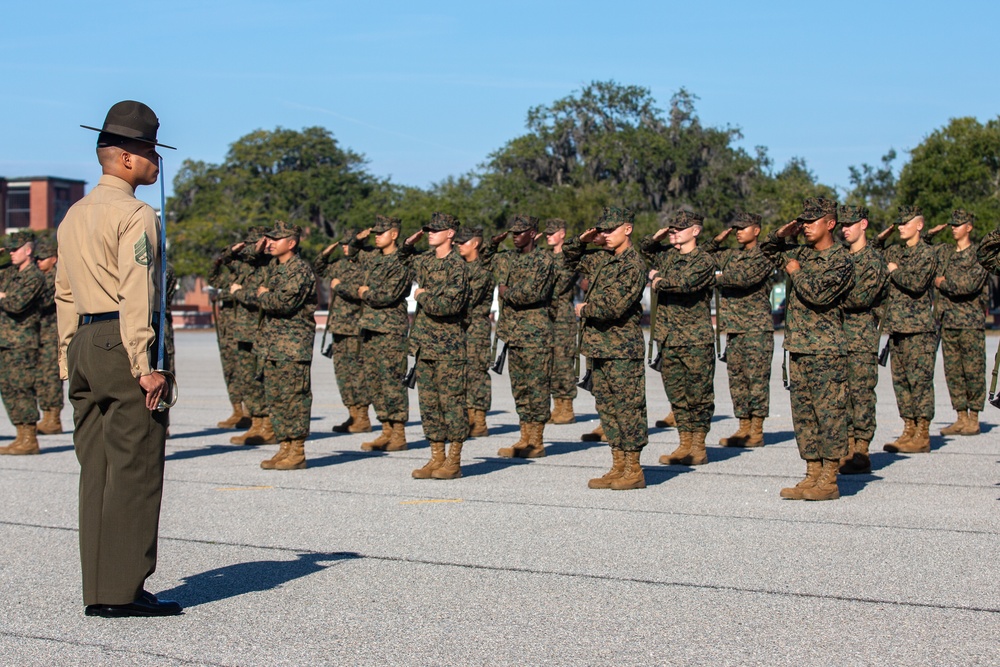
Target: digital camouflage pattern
column 862, row 378
column 907, row 213
column 349, row 369
column 964, row 353
column 19, row 338
column 248, row 269
column 611, row 319
column 612, row 217
column 437, row 331
column 530, row 370
column 909, row 304
column 441, row 396
column 814, row 318
column 343, row 315
column 288, row 394
column 385, row 365
column 871, row 284
column 48, row 386
column 819, row 404
column 389, row 281
column 962, row 217
column 613, row 340
column 564, row 331
column 748, row 363
column 742, row 220
column 848, row 215
column 988, row 252
column 685, row 219
column 744, row 282
column 912, row 357
column 221, row 277
column 684, row 286
column 478, row 327
column 530, row 277
column 522, row 223
column 688, row 375
column 815, row 208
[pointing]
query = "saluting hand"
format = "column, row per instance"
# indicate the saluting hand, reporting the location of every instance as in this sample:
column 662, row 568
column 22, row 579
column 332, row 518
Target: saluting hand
column 498, row 239
column 262, row 290
column 413, row 238
column 723, row 235
column 363, row 234
column 660, row 233
column 790, row 229
column 330, row 248
column 589, row 235
column 936, row 230
column 239, row 246
column 884, row 234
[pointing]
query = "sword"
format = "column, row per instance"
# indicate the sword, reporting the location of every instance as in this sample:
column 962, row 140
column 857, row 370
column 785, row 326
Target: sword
column 170, row 394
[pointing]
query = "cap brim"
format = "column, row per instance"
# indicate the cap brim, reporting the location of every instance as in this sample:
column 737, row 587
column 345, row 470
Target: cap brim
column 145, row 141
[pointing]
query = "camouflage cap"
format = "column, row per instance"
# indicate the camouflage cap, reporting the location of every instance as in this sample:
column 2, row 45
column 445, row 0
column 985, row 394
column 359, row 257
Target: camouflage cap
column 614, row 217
column 907, row 213
column 384, row 223
column 958, row 217
column 685, row 219
column 45, row 247
column 848, row 215
column 349, row 235
column 815, row 208
column 17, row 239
column 742, row 220
column 553, row 225
column 283, row 230
column 255, row 232
column 467, row 233
column 441, row 222
column 522, row 223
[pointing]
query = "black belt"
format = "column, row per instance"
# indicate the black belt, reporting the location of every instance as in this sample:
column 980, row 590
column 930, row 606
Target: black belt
column 99, row 317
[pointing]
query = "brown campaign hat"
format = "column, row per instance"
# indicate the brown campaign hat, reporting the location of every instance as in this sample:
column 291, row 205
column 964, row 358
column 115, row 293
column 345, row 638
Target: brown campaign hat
column 131, row 120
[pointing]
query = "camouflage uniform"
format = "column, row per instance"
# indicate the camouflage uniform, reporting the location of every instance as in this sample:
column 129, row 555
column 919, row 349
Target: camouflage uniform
column 564, row 330
column 384, row 323
column 221, row 277
column 744, row 315
column 478, row 327
column 342, row 323
column 909, row 320
column 961, row 313
column 48, row 386
column 19, row 335
column 988, row 252
column 684, row 327
column 249, row 269
column 525, row 323
column 815, row 340
column 438, row 339
column 284, row 342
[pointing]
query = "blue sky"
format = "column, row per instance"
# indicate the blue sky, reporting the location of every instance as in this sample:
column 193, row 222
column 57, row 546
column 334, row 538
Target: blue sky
column 428, row 89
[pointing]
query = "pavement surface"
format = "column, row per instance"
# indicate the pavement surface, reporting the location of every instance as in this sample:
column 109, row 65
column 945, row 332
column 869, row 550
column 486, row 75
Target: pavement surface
column 352, row 562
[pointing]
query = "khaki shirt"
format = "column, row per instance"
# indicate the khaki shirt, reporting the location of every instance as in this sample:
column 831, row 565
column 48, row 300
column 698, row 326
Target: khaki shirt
column 109, row 261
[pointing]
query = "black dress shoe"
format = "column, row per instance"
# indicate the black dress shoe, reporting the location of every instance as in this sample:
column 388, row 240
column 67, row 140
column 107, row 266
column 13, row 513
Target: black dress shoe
column 145, row 605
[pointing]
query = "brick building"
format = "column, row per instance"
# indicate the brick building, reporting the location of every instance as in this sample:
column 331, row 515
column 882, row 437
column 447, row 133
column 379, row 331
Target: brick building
column 36, row 202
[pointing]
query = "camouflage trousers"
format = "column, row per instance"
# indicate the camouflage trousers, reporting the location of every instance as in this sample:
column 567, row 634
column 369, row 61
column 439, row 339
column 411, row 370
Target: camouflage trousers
column 620, row 396
column 349, row 369
column 530, row 369
column 478, row 385
column 228, row 353
column 862, row 378
column 17, row 384
column 385, row 366
column 246, row 379
column 912, row 358
column 688, row 375
column 48, row 386
column 288, row 393
column 441, row 395
column 748, row 362
column 563, row 380
column 819, row 404
column 964, row 352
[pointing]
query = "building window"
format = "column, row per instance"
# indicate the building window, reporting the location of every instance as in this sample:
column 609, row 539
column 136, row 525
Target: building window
column 18, row 207
column 62, row 204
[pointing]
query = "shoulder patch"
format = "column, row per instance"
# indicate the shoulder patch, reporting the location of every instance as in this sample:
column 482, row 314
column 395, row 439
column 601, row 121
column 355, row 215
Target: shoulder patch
column 143, row 250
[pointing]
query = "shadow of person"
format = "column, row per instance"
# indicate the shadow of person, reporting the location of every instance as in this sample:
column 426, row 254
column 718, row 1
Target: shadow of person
column 264, row 575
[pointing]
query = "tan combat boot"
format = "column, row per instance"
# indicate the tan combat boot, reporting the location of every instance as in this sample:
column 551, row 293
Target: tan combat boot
column 682, row 452
column 478, row 428
column 667, row 422
column 51, row 424
column 698, row 454
column 255, row 431
column 282, row 453
column 237, row 419
column 851, row 443
column 632, row 477
column 25, row 443
column 956, row 428
column 452, row 466
column 265, row 436
column 825, row 487
column 360, row 423
column 859, row 462
column 535, row 448
column 739, row 438
column 813, row 470
column 563, row 412
column 756, row 438
column 617, row 468
column 295, row 458
column 379, row 444
column 909, row 428
column 511, row 452
column 597, row 435
column 345, row 425
column 971, row 423
column 397, row 438
column 437, row 459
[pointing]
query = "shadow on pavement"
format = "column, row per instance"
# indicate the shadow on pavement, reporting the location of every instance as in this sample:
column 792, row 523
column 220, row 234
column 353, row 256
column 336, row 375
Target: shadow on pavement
column 775, row 437
column 661, row 474
column 851, row 484
column 56, row 450
column 232, row 580
column 205, row 432
column 210, row 450
column 486, row 465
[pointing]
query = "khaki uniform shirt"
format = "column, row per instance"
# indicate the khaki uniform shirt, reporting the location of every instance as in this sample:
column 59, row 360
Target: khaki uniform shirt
column 109, row 262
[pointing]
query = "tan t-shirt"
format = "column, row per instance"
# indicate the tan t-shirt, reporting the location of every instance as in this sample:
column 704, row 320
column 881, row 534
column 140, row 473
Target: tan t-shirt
column 109, row 261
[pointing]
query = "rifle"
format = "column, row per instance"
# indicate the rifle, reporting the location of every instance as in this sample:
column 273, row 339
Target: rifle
column 586, row 382
column 654, row 304
column 994, row 398
column 410, row 379
column 326, row 349
column 784, row 371
column 497, row 366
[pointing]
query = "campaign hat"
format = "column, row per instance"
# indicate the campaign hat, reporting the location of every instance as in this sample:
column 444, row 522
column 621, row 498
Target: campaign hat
column 130, row 120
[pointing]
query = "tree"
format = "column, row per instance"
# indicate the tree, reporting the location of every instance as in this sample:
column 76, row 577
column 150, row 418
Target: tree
column 875, row 187
column 957, row 166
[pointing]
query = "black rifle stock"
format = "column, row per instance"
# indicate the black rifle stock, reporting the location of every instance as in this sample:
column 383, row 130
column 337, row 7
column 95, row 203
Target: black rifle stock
column 498, row 365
